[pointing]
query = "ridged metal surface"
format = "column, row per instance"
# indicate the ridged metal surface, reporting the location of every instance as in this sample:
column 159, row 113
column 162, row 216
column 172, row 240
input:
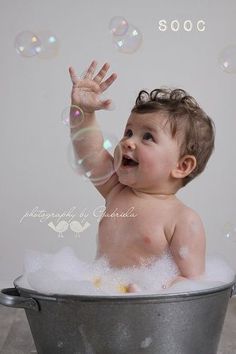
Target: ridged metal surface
column 156, row 324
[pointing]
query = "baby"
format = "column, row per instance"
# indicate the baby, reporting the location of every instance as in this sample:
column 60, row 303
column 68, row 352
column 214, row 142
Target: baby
column 167, row 142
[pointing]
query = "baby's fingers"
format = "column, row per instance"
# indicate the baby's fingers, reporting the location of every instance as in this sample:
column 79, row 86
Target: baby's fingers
column 104, row 85
column 105, row 104
column 102, row 73
column 73, row 76
column 89, row 73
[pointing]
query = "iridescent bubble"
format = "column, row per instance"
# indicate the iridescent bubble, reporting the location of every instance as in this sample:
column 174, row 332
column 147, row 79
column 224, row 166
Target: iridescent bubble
column 227, row 59
column 27, row 44
column 110, row 142
column 118, row 26
column 229, row 231
column 130, row 42
column 75, row 162
column 88, row 164
column 93, row 165
column 72, row 116
column 49, row 44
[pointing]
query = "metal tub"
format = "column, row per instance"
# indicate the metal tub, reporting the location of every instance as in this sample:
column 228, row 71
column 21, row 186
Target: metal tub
column 180, row 323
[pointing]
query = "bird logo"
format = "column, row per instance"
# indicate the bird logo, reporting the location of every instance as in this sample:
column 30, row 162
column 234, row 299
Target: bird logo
column 61, row 227
column 77, row 228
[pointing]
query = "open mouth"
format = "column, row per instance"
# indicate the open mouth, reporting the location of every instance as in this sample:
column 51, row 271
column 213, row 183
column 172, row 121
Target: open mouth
column 128, row 161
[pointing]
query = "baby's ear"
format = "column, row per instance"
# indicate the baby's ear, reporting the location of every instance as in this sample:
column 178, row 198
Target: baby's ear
column 184, row 167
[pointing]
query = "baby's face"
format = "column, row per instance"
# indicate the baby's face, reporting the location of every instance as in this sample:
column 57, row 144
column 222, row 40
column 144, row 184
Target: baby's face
column 147, row 140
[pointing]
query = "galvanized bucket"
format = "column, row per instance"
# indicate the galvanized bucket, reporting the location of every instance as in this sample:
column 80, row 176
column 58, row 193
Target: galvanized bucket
column 181, row 323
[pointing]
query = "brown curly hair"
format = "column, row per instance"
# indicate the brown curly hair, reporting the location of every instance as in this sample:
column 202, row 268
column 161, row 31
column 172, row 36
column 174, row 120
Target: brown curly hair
column 186, row 119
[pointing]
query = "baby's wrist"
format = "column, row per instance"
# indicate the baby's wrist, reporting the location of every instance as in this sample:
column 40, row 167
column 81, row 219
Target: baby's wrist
column 86, row 114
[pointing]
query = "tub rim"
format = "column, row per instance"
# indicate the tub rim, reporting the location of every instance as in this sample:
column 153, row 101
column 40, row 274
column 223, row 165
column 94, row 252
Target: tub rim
column 187, row 295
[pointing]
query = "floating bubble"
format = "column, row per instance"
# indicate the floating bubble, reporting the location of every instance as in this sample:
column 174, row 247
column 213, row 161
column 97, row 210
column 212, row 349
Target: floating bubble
column 49, row 45
column 75, row 113
column 130, row 42
column 93, row 173
column 227, row 59
column 118, row 26
column 88, row 165
column 75, row 162
column 114, row 149
column 27, row 44
column 229, row 231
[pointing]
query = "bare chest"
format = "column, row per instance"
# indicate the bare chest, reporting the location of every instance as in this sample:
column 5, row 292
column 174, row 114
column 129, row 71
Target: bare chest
column 133, row 227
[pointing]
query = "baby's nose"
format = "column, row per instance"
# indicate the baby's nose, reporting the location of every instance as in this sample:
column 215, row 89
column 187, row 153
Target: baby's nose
column 130, row 144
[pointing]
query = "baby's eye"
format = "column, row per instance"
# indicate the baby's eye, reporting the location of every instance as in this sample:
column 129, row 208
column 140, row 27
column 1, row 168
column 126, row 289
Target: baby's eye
column 128, row 133
column 148, row 136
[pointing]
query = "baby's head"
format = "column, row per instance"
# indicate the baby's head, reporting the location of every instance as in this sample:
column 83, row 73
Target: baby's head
column 180, row 146
column 189, row 124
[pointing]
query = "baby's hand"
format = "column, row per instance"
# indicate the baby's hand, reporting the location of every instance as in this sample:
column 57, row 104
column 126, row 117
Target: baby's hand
column 86, row 91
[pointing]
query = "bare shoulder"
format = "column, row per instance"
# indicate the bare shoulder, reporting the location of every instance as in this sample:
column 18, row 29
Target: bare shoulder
column 189, row 214
column 188, row 222
column 184, row 213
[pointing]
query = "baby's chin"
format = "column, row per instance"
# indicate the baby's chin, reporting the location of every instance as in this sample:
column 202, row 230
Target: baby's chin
column 131, row 181
column 125, row 180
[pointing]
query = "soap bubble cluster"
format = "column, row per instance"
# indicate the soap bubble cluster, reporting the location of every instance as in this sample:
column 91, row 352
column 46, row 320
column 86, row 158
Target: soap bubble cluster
column 126, row 37
column 50, row 45
column 64, row 273
column 227, row 59
column 27, row 44
column 44, row 44
column 88, row 165
column 118, row 26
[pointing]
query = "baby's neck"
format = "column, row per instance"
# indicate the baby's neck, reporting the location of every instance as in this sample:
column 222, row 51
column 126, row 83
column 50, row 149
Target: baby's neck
column 160, row 196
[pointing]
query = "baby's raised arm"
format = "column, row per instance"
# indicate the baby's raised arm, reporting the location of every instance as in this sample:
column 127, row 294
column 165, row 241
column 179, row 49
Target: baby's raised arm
column 188, row 245
column 86, row 95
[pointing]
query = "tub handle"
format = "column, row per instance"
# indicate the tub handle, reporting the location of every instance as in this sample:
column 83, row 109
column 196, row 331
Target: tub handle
column 11, row 297
column 233, row 290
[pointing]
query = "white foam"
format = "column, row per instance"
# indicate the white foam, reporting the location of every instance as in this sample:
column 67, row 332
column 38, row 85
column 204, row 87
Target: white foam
column 64, row 273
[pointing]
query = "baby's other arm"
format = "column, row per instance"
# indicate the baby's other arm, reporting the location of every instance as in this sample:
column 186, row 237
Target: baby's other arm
column 188, row 246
